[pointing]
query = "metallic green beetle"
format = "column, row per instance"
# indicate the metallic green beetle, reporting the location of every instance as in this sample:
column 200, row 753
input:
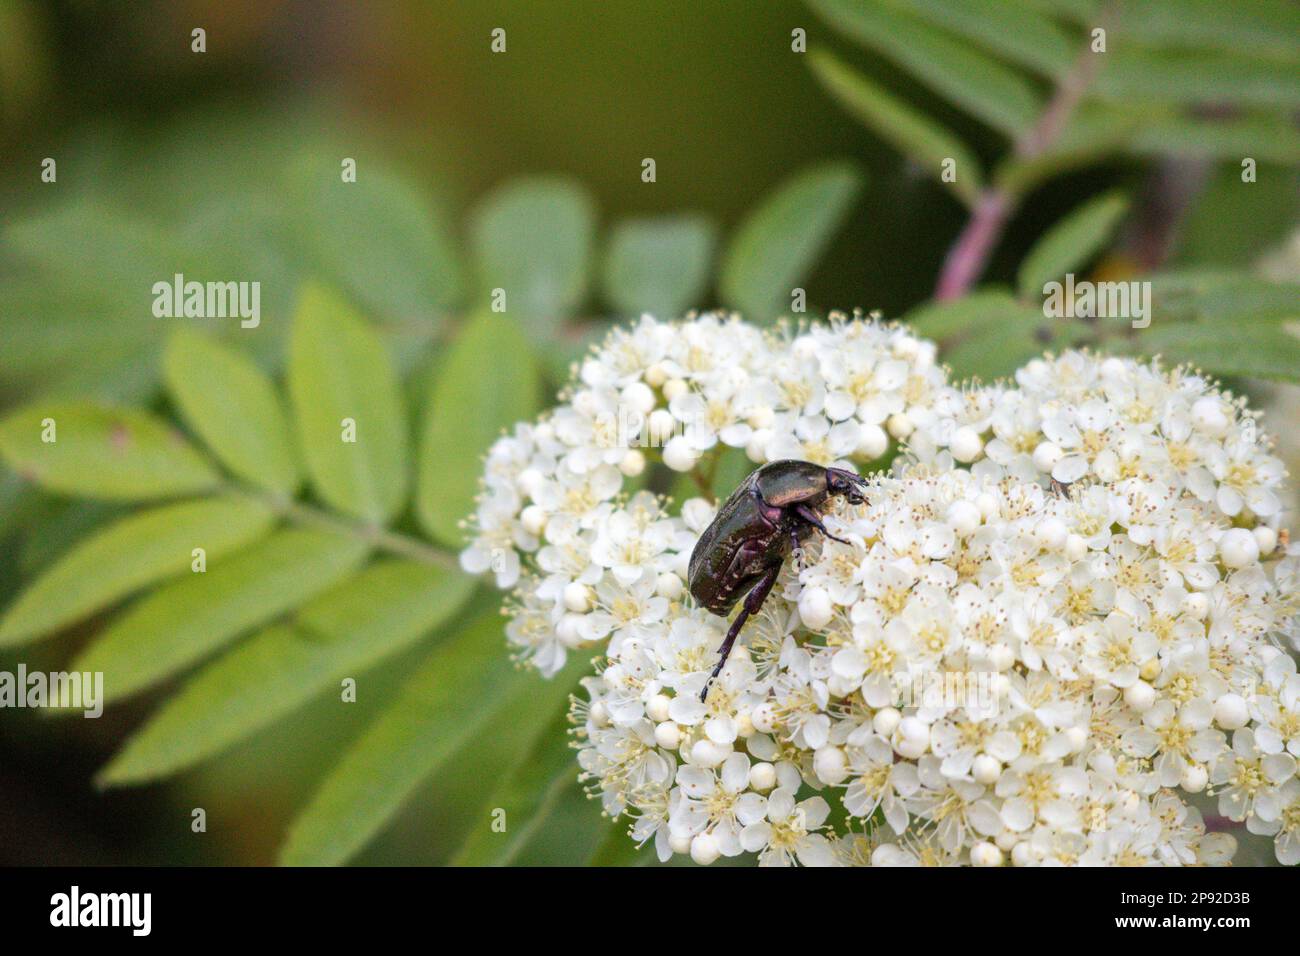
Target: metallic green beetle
column 741, row 553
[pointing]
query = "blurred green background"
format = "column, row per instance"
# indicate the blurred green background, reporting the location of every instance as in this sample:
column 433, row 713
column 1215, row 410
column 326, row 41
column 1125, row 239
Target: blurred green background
column 776, row 166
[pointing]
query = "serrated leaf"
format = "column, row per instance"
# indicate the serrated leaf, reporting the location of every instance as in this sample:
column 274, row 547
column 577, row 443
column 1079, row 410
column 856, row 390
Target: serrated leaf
column 128, row 555
column 338, row 370
column 184, row 622
column 527, row 796
column 779, row 243
column 103, row 452
column 533, row 238
column 660, row 266
column 341, row 634
column 908, row 130
column 231, row 404
column 980, row 84
column 488, row 381
column 380, row 240
column 447, row 700
column 1071, row 243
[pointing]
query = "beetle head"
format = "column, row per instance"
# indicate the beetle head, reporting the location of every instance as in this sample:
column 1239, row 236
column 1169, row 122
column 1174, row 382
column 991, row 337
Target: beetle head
column 846, row 484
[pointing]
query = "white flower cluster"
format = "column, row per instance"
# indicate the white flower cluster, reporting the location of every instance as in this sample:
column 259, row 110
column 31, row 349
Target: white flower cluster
column 587, row 563
column 988, row 671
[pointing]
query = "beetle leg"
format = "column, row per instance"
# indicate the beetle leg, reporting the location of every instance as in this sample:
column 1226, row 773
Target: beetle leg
column 753, row 601
column 811, row 517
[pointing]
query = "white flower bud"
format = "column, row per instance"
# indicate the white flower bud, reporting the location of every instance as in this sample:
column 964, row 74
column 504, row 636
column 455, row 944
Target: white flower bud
column 533, row 519
column 762, row 718
column 633, row 463
column 1194, row 779
column 872, row 441
column 1238, row 548
column 577, row 597
column 1046, row 456
column 761, row 417
column 675, row 387
column 704, row 849
column 638, row 398
column 986, row 769
column 899, row 425
column 1140, row 696
column 1023, row 854
column 669, row 585
column 679, row 842
column 599, row 714
column 668, row 735
column 966, row 445
column 886, row 721
column 762, row 777
column 656, row 375
column 1197, row 605
column 660, row 426
column 569, row 630
column 1265, row 539
column 1231, row 712
column 985, row 854
column 656, row 708
column 707, row 753
column 829, row 765
column 815, row 608
column 679, row 455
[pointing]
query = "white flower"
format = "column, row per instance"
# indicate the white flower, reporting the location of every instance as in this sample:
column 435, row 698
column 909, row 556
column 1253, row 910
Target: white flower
column 1003, row 671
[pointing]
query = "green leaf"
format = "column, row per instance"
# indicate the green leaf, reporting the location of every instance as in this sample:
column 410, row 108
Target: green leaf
column 1264, row 138
column 1263, row 27
column 980, row 84
column 1003, row 27
column 996, row 349
column 102, row 452
column 439, row 710
column 489, row 381
column 533, row 238
column 908, row 130
column 776, row 247
column 1197, row 78
column 1262, row 348
column 1072, row 242
column 341, row 634
column 947, row 322
column 182, row 623
column 338, row 371
column 406, row 270
column 233, row 407
column 660, row 266
column 528, row 796
column 127, row 555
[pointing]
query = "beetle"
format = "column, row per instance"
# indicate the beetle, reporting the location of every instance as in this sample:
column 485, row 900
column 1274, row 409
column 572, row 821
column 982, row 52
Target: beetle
column 741, row 553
